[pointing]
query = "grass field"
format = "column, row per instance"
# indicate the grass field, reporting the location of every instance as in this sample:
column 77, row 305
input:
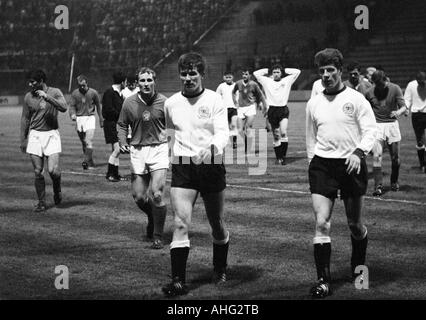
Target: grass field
column 98, row 231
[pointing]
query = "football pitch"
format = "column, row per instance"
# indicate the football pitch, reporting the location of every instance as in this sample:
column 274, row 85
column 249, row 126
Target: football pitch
column 97, row 232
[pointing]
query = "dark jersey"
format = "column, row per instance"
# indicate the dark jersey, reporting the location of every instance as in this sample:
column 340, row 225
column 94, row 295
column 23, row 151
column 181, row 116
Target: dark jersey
column 84, row 104
column 386, row 101
column 146, row 119
column 250, row 93
column 42, row 114
column 112, row 103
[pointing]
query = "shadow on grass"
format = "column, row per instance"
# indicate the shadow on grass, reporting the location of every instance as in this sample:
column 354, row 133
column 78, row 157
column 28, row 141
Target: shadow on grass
column 66, row 204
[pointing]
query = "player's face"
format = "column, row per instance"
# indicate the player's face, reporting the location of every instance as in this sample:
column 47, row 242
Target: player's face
column 146, row 84
column 83, row 86
column 192, row 81
column 246, row 76
column 354, row 76
column 229, row 78
column 331, row 77
column 131, row 85
column 276, row 74
column 35, row 86
column 380, row 83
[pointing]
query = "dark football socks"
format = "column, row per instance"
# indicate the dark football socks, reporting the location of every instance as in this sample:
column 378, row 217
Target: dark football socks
column 111, row 170
column 421, row 155
column 395, row 172
column 88, row 155
column 359, row 250
column 220, row 256
column 278, row 152
column 179, row 257
column 378, row 176
column 159, row 218
column 40, row 186
column 322, row 254
column 284, row 147
column 82, row 136
column 56, row 180
column 146, row 207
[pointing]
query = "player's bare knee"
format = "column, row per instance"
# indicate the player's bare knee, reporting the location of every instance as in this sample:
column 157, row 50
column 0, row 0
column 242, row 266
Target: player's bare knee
column 140, row 197
column 158, row 198
column 55, row 172
column 38, row 172
column 323, row 227
column 357, row 228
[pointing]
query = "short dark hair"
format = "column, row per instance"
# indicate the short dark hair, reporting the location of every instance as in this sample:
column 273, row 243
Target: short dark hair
column 329, row 56
column 421, row 76
column 247, row 69
column 353, row 65
column 146, row 70
column 118, row 77
column 131, row 77
column 278, row 66
column 37, row 75
column 81, row 78
column 192, row 60
column 228, row 73
column 378, row 75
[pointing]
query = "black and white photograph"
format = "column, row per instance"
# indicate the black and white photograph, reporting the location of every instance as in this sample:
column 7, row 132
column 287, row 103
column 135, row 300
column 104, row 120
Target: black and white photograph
column 213, row 156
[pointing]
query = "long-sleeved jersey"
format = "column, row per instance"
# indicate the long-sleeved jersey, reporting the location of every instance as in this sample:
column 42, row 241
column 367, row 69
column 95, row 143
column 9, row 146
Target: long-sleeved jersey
column 415, row 97
column 145, row 118
column 249, row 93
column 337, row 125
column 84, row 104
column 196, row 123
column 277, row 92
column 225, row 91
column 383, row 106
column 42, row 115
column 112, row 102
column 317, row 88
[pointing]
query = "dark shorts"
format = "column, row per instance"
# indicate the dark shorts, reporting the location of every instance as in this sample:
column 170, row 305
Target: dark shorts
column 110, row 132
column 231, row 113
column 326, row 176
column 418, row 119
column 276, row 114
column 205, row 178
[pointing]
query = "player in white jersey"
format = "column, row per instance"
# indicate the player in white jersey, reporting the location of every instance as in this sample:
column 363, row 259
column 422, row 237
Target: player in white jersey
column 317, row 88
column 415, row 99
column 277, row 91
column 198, row 128
column 340, row 131
column 225, row 91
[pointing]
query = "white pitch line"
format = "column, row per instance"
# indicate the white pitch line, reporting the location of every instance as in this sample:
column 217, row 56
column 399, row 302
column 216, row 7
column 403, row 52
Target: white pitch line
column 235, row 186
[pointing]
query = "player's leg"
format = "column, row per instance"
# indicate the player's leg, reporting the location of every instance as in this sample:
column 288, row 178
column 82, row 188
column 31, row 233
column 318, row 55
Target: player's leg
column 214, row 204
column 140, row 187
column 359, row 239
column 113, row 163
column 284, row 138
column 396, row 164
column 250, row 133
column 377, row 167
column 233, row 129
column 82, row 137
column 419, row 127
column 159, row 208
column 55, row 174
column 39, row 182
column 90, row 134
column 323, row 208
column 275, row 134
column 182, row 201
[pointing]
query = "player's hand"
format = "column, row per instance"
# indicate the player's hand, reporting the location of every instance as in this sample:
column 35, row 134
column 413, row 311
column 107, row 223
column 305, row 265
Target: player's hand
column 41, row 94
column 101, row 123
column 407, row 112
column 124, row 148
column 74, row 117
column 353, row 163
column 23, row 146
column 202, row 156
column 394, row 114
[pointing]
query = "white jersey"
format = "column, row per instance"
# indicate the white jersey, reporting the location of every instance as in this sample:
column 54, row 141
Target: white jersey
column 194, row 124
column 225, row 91
column 277, row 92
column 412, row 98
column 127, row 92
column 336, row 125
column 317, row 88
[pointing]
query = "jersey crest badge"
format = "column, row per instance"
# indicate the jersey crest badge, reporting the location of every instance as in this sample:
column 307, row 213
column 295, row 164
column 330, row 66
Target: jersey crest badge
column 146, row 116
column 42, row 104
column 348, row 109
column 204, row 112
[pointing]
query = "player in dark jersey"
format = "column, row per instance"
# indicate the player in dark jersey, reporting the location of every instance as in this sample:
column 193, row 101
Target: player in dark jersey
column 84, row 103
column 40, row 136
column 356, row 81
column 149, row 153
column 388, row 104
column 112, row 102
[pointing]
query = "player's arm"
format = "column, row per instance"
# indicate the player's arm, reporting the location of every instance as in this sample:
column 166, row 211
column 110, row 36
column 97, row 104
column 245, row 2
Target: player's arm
column 73, row 108
column 25, row 126
column 261, row 75
column 170, row 128
column 57, row 100
column 311, row 132
column 98, row 106
column 262, row 98
column 292, row 74
column 123, row 130
column 408, row 97
column 234, row 95
column 400, row 102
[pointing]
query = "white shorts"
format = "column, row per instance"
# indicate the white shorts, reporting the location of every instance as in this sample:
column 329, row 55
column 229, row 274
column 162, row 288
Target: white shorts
column 244, row 112
column 150, row 158
column 86, row 123
column 44, row 143
column 388, row 132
